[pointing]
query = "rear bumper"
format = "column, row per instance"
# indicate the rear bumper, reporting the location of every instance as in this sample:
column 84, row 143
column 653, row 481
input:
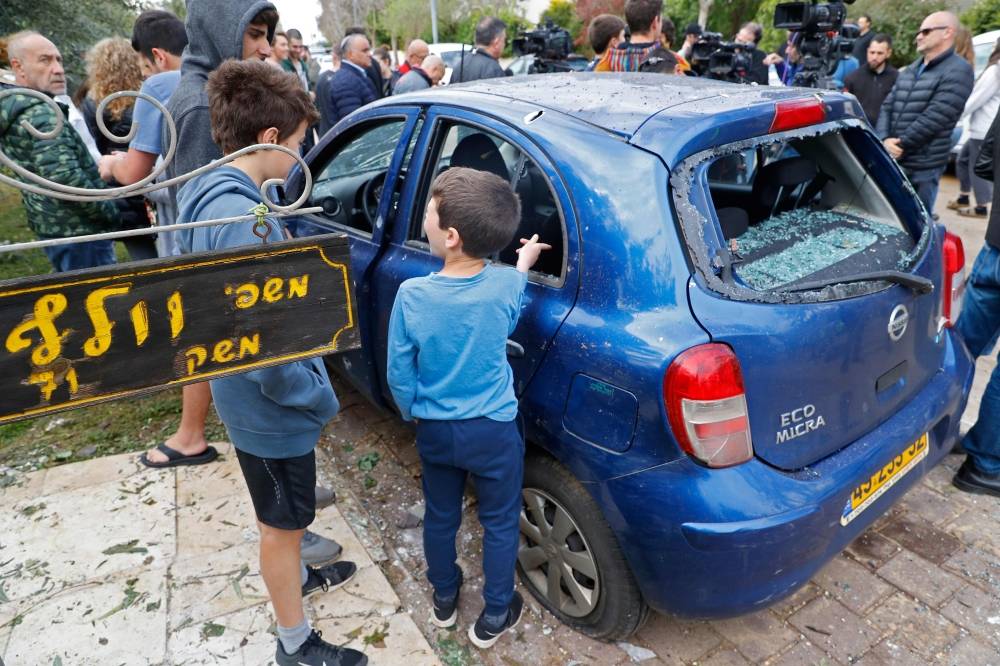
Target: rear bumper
column 716, row 543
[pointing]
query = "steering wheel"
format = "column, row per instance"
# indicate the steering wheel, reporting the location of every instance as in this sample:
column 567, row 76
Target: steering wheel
column 370, row 197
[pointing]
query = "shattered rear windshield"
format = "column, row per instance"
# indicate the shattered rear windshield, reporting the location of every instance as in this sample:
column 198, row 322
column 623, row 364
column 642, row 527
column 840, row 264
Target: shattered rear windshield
column 771, row 214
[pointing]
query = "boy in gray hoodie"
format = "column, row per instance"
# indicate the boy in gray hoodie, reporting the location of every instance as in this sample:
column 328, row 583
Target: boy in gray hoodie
column 274, row 415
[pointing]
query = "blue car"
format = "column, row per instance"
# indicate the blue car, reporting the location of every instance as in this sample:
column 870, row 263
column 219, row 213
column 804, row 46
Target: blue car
column 738, row 353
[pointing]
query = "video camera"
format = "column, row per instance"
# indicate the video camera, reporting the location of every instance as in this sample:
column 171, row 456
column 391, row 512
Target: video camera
column 550, row 45
column 823, row 38
column 726, row 61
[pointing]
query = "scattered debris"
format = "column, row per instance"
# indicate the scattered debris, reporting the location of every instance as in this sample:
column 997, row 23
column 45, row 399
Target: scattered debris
column 412, row 517
column 125, row 548
column 211, row 630
column 377, row 637
column 86, row 452
column 636, row 653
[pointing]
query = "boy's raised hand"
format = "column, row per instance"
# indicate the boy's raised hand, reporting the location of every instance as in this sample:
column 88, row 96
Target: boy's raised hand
column 529, row 251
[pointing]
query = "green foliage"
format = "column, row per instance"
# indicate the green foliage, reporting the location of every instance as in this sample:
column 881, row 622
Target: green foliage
column 562, row 13
column 982, row 16
column 72, row 28
column 900, row 19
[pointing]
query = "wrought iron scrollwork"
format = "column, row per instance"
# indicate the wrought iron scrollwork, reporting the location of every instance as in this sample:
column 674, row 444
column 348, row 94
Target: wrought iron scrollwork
column 36, row 184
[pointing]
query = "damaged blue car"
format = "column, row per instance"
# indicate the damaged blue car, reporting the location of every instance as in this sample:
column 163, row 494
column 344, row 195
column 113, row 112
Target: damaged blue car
column 738, row 353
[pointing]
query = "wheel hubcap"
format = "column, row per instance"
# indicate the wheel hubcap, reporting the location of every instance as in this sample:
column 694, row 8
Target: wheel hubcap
column 555, row 557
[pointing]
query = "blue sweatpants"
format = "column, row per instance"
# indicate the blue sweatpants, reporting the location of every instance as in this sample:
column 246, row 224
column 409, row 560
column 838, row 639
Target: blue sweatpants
column 493, row 453
column 979, row 324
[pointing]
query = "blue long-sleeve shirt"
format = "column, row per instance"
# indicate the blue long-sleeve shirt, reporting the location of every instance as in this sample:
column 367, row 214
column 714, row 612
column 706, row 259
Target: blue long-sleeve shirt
column 448, row 345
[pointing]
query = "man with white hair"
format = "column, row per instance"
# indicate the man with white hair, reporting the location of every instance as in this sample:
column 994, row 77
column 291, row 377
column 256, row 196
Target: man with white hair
column 918, row 116
column 64, row 159
column 427, row 75
column 349, row 88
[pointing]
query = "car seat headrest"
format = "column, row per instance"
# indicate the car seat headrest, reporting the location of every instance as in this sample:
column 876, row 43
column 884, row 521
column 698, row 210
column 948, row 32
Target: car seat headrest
column 478, row 151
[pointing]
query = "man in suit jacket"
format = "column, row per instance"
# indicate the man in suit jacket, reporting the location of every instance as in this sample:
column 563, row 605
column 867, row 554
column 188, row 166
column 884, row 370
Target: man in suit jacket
column 350, row 88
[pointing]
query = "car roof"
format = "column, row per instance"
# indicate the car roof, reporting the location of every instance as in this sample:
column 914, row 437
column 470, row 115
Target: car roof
column 619, row 103
column 986, row 37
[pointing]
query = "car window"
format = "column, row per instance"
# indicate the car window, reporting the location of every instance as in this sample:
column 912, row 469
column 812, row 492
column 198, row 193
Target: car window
column 348, row 186
column 473, row 147
column 801, row 209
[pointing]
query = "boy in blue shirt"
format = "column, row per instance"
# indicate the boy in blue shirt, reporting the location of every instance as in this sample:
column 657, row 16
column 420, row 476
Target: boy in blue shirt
column 274, row 415
column 448, row 370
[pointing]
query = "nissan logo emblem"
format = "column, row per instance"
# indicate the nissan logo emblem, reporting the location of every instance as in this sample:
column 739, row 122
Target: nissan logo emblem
column 898, row 320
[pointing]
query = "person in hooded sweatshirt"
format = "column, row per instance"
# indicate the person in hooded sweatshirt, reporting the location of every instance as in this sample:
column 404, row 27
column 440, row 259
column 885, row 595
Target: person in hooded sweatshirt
column 217, row 30
column 274, row 415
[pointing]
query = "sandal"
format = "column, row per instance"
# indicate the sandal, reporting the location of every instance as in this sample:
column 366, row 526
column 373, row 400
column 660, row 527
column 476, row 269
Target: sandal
column 176, row 458
column 979, row 212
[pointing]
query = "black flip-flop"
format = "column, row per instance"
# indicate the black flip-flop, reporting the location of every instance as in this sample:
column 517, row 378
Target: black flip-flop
column 176, row 458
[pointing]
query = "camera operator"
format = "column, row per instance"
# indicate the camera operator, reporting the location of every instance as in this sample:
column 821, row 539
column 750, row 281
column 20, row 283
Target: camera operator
column 643, row 20
column 605, row 32
column 692, row 33
column 751, row 33
column 483, row 61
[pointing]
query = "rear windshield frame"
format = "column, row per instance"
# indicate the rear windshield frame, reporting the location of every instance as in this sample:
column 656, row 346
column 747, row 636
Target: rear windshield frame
column 710, row 255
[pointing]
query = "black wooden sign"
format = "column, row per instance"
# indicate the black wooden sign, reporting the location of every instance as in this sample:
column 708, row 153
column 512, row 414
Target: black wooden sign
column 74, row 339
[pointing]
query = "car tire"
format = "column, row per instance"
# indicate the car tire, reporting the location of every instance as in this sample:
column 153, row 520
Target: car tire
column 607, row 606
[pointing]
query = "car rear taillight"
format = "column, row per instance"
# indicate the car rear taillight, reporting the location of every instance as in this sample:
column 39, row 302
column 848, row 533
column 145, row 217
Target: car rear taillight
column 706, row 405
column 794, row 113
column 954, row 278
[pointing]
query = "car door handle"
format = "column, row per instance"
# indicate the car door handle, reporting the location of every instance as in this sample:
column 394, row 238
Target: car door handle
column 514, row 349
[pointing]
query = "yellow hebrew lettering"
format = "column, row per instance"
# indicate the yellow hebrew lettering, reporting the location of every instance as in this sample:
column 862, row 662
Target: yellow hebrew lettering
column 298, row 287
column 98, row 343
column 45, row 381
column 250, row 346
column 196, row 357
column 46, row 309
column 223, row 351
column 272, row 289
column 175, row 306
column 140, row 322
column 247, row 295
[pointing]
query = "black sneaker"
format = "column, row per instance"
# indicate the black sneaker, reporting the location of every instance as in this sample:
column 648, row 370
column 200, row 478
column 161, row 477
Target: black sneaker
column 317, row 652
column 446, row 614
column 329, row 577
column 971, row 480
column 484, row 636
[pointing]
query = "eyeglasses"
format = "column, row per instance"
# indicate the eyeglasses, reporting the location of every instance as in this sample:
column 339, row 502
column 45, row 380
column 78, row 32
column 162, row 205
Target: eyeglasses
column 926, row 31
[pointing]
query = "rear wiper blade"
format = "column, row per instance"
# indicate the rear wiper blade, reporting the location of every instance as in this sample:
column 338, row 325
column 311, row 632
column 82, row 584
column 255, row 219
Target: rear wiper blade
column 917, row 283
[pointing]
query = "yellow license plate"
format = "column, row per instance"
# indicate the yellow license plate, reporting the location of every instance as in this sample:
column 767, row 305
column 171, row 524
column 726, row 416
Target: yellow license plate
column 869, row 491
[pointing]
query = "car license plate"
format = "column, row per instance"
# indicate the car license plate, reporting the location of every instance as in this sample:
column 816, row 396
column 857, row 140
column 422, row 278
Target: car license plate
column 869, row 491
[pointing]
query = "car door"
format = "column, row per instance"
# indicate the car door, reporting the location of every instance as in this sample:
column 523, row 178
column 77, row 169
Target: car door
column 358, row 175
column 458, row 137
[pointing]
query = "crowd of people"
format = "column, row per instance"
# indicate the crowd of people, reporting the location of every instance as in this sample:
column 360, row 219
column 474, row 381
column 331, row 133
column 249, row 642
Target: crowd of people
column 230, row 79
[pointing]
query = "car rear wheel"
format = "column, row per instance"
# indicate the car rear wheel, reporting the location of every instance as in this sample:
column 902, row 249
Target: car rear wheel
column 569, row 558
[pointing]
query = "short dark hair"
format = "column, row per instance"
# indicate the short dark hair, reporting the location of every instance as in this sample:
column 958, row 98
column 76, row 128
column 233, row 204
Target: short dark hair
column 756, row 28
column 157, row 29
column 247, row 96
column 640, row 14
column 292, row 33
column 692, row 29
column 278, row 34
column 865, row 17
column 602, row 30
column 488, row 29
column 355, row 30
column 268, row 17
column 668, row 30
column 660, row 61
column 481, row 206
column 883, row 38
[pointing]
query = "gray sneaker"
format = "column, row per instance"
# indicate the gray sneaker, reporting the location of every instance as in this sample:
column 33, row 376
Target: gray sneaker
column 317, row 549
column 324, row 497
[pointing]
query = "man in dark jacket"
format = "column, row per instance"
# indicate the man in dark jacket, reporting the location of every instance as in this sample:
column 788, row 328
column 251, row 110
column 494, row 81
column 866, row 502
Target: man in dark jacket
column 918, row 116
column 864, row 40
column 63, row 159
column 979, row 325
column 373, row 70
column 349, row 88
column 483, row 61
column 871, row 84
column 751, row 33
